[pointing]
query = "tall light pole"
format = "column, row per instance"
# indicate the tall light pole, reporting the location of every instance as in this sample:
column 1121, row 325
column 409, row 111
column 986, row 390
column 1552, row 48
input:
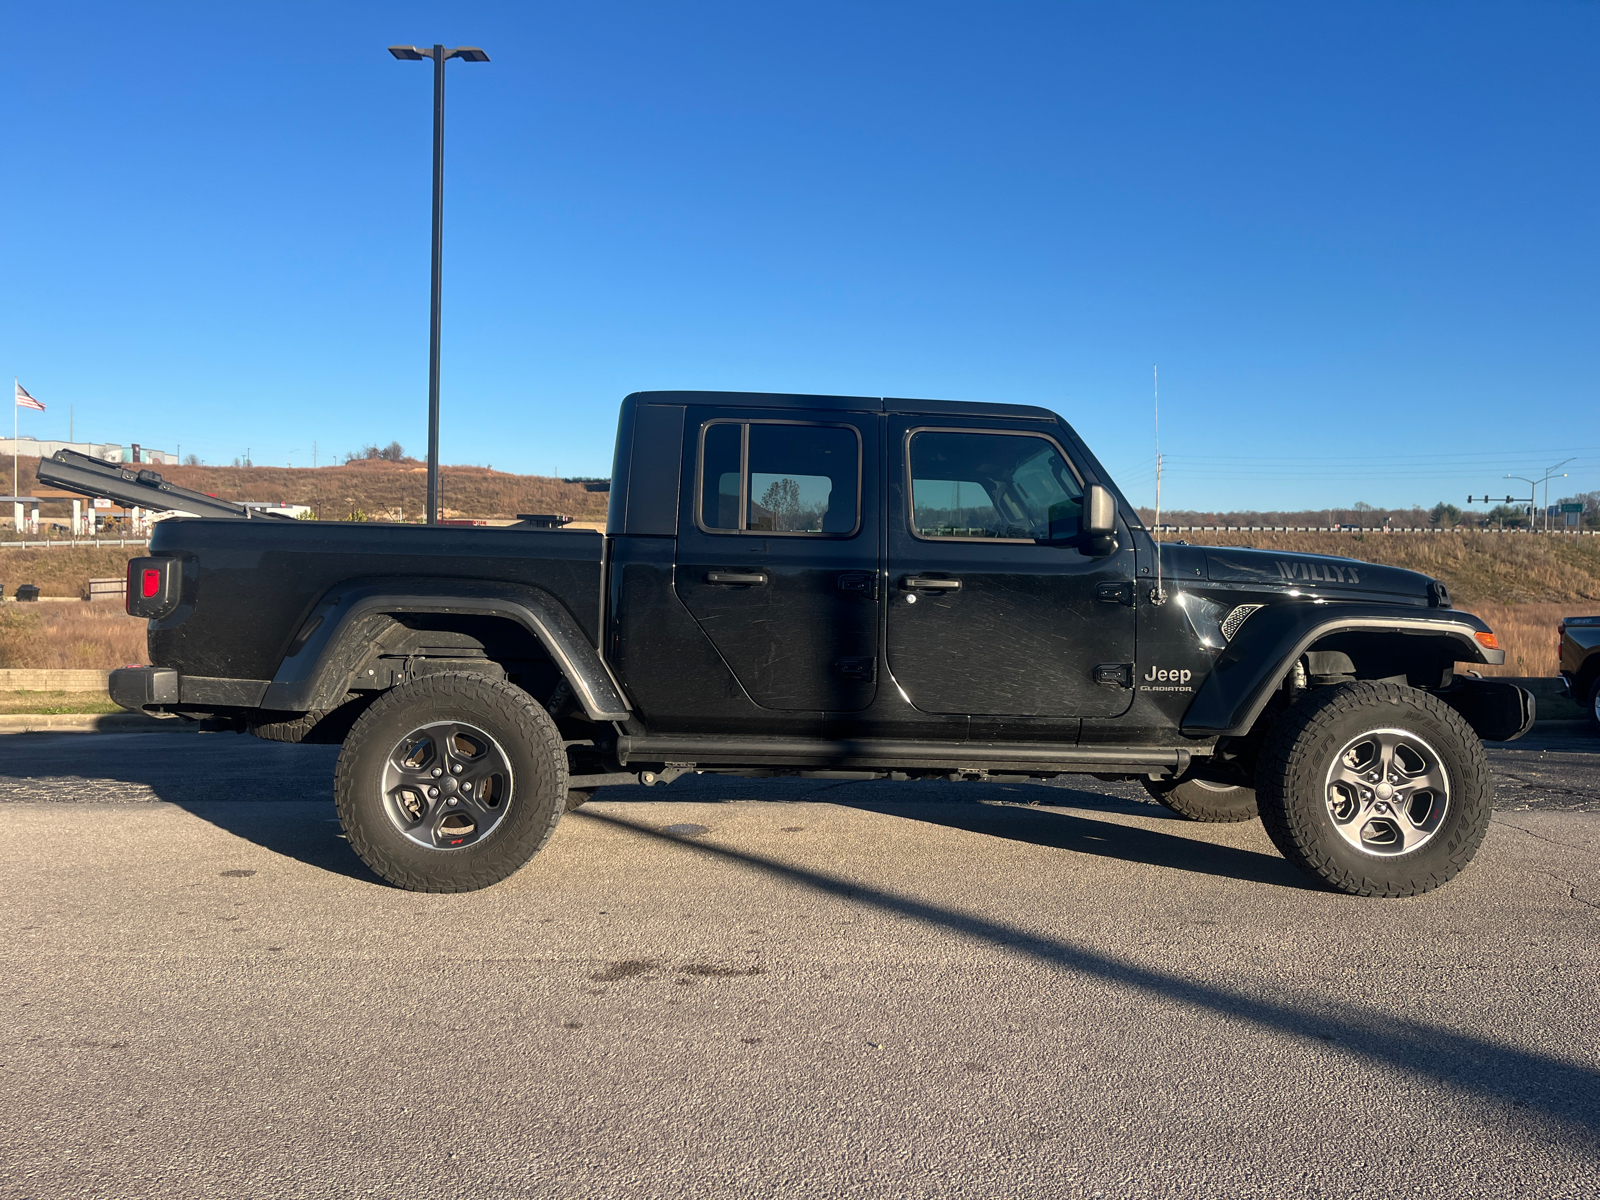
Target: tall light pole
column 1548, row 476
column 440, row 55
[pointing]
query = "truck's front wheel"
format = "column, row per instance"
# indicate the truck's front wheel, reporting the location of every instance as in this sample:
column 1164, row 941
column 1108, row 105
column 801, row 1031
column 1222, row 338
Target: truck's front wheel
column 450, row 783
column 1376, row 789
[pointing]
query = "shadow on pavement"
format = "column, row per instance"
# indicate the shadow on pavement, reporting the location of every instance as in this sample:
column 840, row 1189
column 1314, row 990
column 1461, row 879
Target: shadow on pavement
column 280, row 797
column 306, row 832
column 277, row 796
column 1103, row 839
column 1525, row 1081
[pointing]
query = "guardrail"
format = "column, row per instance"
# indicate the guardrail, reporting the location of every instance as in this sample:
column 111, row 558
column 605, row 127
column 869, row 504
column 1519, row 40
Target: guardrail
column 144, row 541
column 1164, row 528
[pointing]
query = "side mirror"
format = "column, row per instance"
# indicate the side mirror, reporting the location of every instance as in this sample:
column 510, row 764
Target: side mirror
column 1099, row 512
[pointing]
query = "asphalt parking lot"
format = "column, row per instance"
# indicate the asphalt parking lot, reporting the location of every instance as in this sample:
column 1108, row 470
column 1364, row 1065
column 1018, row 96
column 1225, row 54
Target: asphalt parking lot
column 778, row 988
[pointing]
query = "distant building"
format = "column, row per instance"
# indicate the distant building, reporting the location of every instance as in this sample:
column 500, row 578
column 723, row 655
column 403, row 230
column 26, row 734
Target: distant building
column 27, row 447
column 286, row 510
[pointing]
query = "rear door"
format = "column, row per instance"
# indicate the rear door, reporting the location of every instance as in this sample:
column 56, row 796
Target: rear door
column 995, row 607
column 778, row 553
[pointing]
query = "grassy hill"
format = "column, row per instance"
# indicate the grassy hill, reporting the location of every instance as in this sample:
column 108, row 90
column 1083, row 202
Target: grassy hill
column 382, row 490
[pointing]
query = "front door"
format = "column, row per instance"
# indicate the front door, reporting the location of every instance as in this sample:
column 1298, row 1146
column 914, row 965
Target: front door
column 778, row 554
column 995, row 605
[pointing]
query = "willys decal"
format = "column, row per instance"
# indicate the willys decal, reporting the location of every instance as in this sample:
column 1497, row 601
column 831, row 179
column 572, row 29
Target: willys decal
column 1317, row 572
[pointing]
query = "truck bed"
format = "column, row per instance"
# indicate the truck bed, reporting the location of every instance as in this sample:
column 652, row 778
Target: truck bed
column 273, row 573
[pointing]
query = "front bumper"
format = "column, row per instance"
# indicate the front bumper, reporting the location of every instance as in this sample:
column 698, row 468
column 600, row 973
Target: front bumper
column 1497, row 711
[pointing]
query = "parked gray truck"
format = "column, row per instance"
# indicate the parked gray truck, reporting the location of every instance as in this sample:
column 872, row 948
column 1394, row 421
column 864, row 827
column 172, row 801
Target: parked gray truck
column 1578, row 645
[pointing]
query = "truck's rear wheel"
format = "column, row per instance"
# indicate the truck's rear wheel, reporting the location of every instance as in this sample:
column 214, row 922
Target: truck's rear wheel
column 1203, row 800
column 1376, row 789
column 450, row 783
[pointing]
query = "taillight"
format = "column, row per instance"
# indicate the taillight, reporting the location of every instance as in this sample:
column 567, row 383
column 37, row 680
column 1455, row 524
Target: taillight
column 153, row 586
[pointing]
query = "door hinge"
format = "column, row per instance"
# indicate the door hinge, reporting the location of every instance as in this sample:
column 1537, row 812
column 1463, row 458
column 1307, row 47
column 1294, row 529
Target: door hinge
column 855, row 668
column 1115, row 593
column 859, row 583
column 1115, row 674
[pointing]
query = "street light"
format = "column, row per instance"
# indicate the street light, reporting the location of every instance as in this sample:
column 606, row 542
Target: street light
column 1533, row 487
column 440, row 55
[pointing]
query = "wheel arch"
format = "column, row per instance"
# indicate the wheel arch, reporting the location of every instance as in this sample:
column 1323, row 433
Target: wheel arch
column 349, row 624
column 1267, row 647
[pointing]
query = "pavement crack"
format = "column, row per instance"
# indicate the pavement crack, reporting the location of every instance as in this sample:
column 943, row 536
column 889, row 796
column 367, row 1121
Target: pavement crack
column 1584, row 850
column 1572, row 889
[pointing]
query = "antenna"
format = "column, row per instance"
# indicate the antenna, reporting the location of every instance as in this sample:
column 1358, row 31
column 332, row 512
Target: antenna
column 1158, row 594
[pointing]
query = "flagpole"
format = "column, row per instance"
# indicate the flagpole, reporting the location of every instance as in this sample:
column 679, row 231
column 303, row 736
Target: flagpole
column 15, row 384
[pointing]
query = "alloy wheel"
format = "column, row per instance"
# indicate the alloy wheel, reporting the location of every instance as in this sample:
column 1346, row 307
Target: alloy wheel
column 1387, row 792
column 447, row 785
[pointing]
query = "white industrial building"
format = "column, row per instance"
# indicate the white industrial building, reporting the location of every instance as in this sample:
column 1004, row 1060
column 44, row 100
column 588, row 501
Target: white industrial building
column 27, row 447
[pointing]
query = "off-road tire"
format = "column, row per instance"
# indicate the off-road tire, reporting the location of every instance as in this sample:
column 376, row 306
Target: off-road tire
column 1594, row 703
column 578, row 796
column 315, row 728
column 1201, row 800
column 1292, row 788
column 526, row 736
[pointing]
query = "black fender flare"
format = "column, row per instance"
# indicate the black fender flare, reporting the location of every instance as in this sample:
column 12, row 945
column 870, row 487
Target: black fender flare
column 1252, row 666
column 335, row 637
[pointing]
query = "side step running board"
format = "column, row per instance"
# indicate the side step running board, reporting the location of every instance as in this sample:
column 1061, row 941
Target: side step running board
column 886, row 754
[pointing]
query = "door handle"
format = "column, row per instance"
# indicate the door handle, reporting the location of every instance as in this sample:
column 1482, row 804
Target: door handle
column 737, row 578
column 921, row 583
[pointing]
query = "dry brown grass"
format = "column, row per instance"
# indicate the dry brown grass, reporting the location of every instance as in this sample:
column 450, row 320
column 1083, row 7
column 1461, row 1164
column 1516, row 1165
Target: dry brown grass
column 63, row 570
column 1527, row 634
column 1478, row 568
column 50, row 703
column 96, row 636
column 388, row 491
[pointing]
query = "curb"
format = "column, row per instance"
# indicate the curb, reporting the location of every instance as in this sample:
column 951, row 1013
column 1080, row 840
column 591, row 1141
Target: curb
column 123, row 722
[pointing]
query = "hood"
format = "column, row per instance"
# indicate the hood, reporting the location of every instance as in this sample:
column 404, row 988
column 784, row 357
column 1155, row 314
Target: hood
column 1319, row 574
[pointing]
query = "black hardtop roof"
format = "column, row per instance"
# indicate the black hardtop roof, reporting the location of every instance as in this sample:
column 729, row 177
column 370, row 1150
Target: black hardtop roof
column 954, row 408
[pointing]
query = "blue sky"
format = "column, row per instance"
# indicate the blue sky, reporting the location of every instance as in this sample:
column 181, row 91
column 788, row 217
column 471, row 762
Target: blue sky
column 1360, row 240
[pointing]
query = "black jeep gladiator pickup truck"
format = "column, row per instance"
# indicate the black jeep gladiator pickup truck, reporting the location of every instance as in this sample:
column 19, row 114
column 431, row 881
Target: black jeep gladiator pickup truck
column 842, row 587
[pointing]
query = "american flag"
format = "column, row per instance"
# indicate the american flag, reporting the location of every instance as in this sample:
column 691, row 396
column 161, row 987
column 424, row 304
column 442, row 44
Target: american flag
column 26, row 401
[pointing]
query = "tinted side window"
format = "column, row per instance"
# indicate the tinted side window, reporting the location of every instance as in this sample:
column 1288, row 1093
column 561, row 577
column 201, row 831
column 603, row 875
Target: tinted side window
column 790, row 478
column 721, row 452
column 1015, row 487
column 803, row 479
